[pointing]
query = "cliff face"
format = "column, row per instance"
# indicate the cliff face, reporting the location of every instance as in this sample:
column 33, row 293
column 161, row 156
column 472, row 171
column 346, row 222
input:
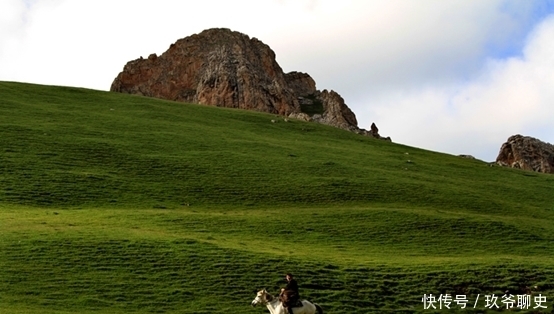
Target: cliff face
column 220, row 67
column 216, row 67
column 527, row 153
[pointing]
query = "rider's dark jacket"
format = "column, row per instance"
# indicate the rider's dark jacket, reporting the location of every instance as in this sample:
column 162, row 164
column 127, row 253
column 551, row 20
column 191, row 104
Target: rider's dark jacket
column 292, row 285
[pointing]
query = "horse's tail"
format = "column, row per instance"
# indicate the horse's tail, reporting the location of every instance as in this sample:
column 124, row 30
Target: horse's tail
column 318, row 308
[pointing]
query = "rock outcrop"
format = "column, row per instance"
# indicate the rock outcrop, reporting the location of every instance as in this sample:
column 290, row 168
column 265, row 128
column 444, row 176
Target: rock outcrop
column 527, row 153
column 216, row 67
column 220, row 67
column 302, row 84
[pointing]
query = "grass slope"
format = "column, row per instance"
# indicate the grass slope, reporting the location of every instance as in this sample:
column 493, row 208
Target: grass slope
column 112, row 203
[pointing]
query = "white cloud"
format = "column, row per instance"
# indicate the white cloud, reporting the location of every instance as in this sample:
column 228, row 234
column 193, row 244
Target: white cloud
column 396, row 43
column 86, row 43
column 12, row 19
column 510, row 96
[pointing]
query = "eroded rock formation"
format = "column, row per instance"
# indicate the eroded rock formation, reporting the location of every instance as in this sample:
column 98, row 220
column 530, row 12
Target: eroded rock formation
column 216, row 67
column 220, row 67
column 527, row 153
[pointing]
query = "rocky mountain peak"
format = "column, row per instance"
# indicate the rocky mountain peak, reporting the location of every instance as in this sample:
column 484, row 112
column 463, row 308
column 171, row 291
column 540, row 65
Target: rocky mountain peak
column 220, row 67
column 216, row 67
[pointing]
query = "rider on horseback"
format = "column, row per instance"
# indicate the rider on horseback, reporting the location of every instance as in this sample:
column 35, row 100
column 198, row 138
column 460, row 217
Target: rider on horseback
column 289, row 294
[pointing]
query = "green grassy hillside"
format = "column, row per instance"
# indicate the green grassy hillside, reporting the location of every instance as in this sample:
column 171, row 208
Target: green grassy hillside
column 112, row 203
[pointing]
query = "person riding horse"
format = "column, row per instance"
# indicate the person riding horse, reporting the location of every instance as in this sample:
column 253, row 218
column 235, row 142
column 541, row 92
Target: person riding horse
column 289, row 294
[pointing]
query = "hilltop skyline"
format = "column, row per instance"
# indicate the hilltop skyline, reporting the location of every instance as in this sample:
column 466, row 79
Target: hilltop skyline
column 457, row 77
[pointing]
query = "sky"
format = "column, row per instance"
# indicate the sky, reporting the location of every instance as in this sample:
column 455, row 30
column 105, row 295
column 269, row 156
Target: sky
column 452, row 76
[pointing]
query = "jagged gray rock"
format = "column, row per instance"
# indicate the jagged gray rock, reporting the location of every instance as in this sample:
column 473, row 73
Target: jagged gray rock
column 527, row 153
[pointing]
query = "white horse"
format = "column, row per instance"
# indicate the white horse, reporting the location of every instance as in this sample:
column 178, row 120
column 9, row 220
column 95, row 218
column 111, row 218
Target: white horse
column 276, row 307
